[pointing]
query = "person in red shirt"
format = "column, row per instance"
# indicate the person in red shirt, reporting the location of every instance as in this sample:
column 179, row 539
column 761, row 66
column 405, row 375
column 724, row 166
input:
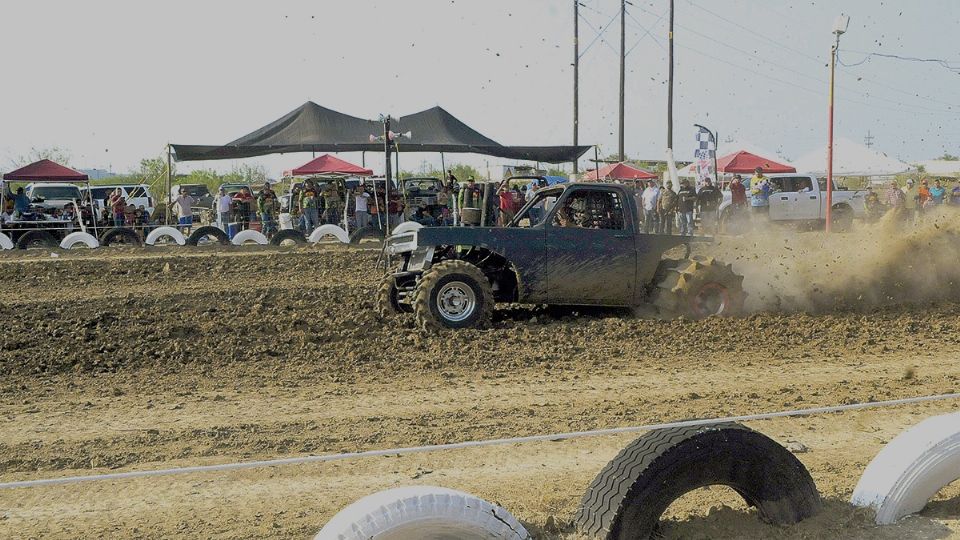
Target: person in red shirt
column 738, row 192
column 118, row 206
column 242, row 201
column 506, row 205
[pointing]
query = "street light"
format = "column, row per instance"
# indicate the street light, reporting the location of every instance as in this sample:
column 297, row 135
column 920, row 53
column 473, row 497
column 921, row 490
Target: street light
column 839, row 27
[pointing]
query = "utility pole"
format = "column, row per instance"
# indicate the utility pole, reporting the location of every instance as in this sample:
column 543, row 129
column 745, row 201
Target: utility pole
column 670, row 82
column 388, row 173
column 839, row 28
column 623, row 55
column 576, row 76
column 868, row 140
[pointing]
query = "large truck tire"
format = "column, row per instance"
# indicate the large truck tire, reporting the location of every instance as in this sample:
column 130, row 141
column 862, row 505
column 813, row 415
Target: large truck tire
column 363, row 233
column 120, row 236
column 37, row 239
column 79, row 237
column 841, row 218
column 697, row 288
column 6, row 242
column 288, row 236
column 208, row 231
column 453, row 294
column 625, row 501
column 326, row 230
column 249, row 235
column 911, row 469
column 422, row 512
column 165, row 232
column 388, row 299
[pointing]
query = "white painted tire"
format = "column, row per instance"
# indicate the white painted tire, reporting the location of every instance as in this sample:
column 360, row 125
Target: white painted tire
column 169, row 232
column 6, row 242
column 422, row 513
column 79, row 237
column 329, row 230
column 249, row 235
column 406, row 226
column 911, row 469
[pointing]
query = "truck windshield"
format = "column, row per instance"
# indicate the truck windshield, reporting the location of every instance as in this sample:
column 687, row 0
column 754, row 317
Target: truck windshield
column 535, row 212
column 56, row 193
column 423, row 185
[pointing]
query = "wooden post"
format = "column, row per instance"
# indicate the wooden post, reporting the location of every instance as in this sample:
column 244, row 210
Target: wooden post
column 388, row 174
column 670, row 82
column 576, row 76
column 623, row 67
column 166, row 212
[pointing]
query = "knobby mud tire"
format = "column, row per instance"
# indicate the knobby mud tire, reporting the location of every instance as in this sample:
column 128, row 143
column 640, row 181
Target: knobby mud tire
column 625, row 501
column 211, row 231
column 428, row 316
column 698, row 288
column 121, row 235
column 388, row 304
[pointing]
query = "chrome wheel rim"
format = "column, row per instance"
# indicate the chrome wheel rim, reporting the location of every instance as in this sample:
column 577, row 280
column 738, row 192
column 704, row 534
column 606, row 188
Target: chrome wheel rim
column 456, row 301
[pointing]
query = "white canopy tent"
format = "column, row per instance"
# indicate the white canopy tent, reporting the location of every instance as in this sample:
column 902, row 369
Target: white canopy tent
column 851, row 159
column 941, row 167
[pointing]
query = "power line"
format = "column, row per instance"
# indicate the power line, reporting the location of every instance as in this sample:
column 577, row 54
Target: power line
column 869, row 55
column 599, row 34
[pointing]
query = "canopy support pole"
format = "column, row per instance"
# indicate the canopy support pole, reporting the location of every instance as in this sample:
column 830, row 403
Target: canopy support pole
column 387, row 177
column 596, row 162
column 443, row 169
column 166, row 212
column 363, row 159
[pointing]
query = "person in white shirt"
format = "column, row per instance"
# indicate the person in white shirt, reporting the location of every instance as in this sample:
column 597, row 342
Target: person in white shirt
column 184, row 204
column 362, row 207
column 224, row 207
column 648, row 201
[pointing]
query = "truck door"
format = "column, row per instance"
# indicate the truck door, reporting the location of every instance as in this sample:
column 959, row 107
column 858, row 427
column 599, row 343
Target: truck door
column 591, row 249
column 807, row 206
column 782, row 199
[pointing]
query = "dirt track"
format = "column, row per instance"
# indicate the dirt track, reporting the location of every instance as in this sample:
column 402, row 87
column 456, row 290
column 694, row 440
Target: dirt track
column 120, row 360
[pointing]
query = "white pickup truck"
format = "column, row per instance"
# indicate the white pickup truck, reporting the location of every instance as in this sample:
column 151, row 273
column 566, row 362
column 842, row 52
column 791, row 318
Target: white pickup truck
column 793, row 199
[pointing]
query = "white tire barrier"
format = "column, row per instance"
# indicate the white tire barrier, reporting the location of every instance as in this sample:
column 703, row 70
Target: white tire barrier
column 79, row 237
column 329, row 230
column 911, row 469
column 6, row 242
column 249, row 235
column 405, row 227
column 168, row 232
column 418, row 512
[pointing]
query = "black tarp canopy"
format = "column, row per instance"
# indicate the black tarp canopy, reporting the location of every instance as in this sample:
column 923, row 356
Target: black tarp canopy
column 313, row 128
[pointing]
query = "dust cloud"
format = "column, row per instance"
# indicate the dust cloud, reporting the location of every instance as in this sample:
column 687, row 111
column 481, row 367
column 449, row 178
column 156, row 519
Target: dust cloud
column 891, row 262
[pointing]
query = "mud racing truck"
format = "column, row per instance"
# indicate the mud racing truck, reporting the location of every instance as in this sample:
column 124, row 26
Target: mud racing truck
column 795, row 200
column 572, row 244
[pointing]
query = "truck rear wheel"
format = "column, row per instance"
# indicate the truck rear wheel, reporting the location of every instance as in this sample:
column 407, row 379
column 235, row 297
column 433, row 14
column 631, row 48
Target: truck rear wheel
column 698, row 288
column 453, row 294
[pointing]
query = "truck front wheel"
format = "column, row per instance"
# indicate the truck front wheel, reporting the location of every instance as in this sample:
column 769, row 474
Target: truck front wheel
column 453, row 294
column 388, row 298
column 698, row 288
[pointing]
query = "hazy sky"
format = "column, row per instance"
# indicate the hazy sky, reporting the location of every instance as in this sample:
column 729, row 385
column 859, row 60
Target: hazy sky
column 114, row 81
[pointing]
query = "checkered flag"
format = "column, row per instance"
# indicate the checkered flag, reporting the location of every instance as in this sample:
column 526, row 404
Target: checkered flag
column 705, row 154
column 705, row 140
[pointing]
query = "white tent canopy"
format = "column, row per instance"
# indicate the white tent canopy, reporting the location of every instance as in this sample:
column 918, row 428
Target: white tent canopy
column 851, row 159
column 941, row 167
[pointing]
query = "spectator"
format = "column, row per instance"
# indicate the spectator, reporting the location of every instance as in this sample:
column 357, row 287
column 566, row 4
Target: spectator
column 924, row 200
column 224, row 205
column 118, row 207
column 267, row 208
column 666, row 209
column 871, row 205
column 687, row 201
column 361, row 205
column 759, row 192
column 955, row 195
column 895, row 199
column 184, row 204
column 443, row 200
column 333, row 204
column 708, row 201
column 938, row 193
column 242, row 204
column 395, row 208
column 141, row 220
column 21, row 204
column 738, row 193
column 308, row 207
column 506, row 205
column 648, row 201
column 130, row 215
column 451, row 179
column 911, row 199
column 469, row 196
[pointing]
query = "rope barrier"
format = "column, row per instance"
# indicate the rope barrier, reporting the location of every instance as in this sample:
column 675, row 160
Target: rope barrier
column 468, row 444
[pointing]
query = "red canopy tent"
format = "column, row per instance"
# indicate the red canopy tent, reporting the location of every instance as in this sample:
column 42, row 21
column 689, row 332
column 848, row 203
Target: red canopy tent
column 745, row 162
column 45, row 171
column 619, row 171
column 327, row 164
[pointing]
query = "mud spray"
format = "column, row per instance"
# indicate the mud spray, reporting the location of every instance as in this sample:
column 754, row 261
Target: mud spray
column 891, row 262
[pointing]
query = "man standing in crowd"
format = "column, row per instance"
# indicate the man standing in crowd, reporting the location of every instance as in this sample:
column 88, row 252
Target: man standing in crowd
column 666, row 209
column 308, row 207
column 333, row 204
column 738, row 193
column 21, row 203
column 895, row 200
column 687, row 201
column 267, row 208
column 361, row 207
column 910, row 198
column 443, row 205
column 759, row 193
column 451, row 180
column 118, row 206
column 648, row 201
column 224, row 205
column 469, row 196
column 184, row 204
column 505, row 196
column 242, row 201
column 708, row 201
column 923, row 196
column 938, row 193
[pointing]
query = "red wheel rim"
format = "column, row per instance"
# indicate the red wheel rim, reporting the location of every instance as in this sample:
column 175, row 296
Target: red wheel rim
column 711, row 299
